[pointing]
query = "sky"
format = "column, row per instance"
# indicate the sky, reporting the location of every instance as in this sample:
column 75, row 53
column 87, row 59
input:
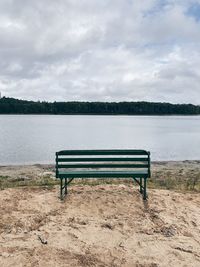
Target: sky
column 100, row 50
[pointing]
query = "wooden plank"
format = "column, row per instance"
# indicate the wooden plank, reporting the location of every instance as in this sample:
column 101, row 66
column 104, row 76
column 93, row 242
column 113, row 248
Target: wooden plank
column 102, row 166
column 103, row 152
column 101, row 174
column 61, row 159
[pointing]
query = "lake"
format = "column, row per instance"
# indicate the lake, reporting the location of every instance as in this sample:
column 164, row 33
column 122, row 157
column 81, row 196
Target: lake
column 28, row 139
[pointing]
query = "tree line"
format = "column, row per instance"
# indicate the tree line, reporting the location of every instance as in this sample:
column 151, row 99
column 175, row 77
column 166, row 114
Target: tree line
column 16, row 106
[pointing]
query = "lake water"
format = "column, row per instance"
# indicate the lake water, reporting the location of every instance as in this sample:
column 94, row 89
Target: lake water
column 27, row 139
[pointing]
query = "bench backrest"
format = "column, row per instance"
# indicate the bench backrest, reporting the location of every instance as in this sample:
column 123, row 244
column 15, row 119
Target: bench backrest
column 103, row 159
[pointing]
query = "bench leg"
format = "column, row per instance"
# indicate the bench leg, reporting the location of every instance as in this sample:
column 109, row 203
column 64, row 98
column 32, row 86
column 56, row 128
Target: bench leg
column 65, row 186
column 145, row 189
column 61, row 188
column 141, row 189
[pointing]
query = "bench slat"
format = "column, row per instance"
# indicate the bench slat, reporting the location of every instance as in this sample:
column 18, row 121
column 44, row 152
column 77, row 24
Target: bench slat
column 103, row 152
column 64, row 166
column 61, row 159
column 102, row 174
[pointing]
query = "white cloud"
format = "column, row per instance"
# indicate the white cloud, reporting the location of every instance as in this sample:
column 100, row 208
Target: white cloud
column 112, row 50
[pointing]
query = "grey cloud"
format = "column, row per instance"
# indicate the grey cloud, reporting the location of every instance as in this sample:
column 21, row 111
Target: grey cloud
column 116, row 50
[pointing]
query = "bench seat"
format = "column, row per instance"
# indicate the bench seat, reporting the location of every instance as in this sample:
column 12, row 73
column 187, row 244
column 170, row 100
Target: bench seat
column 101, row 174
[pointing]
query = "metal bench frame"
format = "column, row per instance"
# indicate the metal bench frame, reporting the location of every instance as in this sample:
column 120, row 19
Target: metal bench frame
column 98, row 159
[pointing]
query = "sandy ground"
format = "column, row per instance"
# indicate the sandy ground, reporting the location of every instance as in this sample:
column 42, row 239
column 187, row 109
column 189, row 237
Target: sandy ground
column 102, row 225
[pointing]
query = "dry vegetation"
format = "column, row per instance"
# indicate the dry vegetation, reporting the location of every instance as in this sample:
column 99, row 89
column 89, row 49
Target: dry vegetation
column 181, row 176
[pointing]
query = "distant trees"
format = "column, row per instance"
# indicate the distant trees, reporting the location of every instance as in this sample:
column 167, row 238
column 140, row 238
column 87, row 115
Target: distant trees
column 15, row 106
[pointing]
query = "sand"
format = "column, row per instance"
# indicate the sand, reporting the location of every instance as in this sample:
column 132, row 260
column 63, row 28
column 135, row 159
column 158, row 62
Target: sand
column 101, row 225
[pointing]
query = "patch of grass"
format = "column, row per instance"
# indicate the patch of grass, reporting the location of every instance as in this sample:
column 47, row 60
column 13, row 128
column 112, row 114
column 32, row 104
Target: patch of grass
column 175, row 183
column 158, row 181
column 3, row 177
column 193, row 183
column 20, row 182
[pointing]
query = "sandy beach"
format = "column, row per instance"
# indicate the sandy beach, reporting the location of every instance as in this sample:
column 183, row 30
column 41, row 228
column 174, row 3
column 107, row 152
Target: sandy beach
column 100, row 224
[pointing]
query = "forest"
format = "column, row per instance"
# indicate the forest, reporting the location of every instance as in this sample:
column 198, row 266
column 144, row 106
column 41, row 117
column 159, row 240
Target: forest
column 16, row 106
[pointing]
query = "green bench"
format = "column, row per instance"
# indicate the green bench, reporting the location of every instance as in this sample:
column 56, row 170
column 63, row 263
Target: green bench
column 133, row 164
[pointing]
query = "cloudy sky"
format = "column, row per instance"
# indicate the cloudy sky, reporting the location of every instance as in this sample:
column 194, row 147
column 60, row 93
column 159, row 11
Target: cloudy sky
column 100, row 50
